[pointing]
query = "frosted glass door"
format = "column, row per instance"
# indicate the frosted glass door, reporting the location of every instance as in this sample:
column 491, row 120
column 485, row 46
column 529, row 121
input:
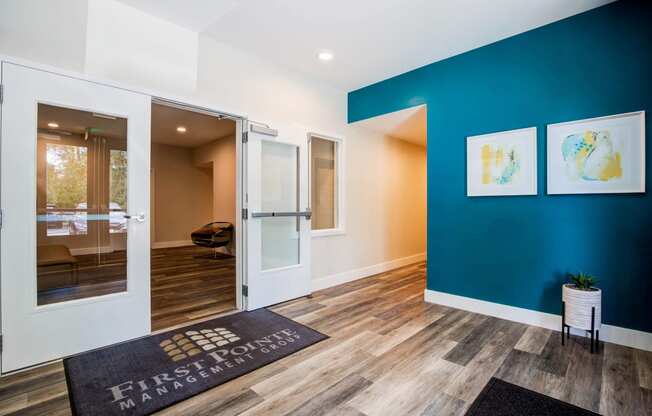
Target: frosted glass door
column 277, row 228
column 279, row 194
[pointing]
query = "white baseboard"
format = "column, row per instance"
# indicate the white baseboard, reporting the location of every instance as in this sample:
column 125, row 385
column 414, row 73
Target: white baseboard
column 614, row 334
column 171, row 244
column 348, row 276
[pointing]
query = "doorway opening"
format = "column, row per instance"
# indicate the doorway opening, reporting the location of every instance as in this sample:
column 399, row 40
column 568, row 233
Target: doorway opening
column 401, row 145
column 193, row 215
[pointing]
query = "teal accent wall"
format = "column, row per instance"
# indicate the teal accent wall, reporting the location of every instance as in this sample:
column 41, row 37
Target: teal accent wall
column 517, row 250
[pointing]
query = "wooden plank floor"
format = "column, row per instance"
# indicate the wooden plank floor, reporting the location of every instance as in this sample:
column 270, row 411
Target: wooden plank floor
column 188, row 283
column 392, row 354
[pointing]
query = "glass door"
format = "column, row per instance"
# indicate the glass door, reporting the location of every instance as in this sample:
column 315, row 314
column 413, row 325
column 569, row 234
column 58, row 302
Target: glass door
column 81, row 203
column 278, row 221
column 75, row 240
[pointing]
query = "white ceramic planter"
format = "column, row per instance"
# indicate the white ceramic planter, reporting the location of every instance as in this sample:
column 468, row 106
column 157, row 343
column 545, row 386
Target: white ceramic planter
column 578, row 306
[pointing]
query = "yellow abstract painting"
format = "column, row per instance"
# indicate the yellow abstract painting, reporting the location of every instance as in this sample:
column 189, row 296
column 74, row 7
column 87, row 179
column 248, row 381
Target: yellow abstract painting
column 500, row 164
column 590, row 156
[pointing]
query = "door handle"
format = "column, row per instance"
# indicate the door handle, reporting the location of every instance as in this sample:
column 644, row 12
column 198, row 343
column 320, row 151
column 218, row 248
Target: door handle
column 307, row 214
column 140, row 217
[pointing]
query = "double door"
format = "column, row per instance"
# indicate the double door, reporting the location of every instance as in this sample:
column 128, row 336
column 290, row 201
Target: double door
column 74, row 193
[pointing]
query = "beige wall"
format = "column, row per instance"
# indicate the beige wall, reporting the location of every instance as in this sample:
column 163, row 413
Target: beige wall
column 385, row 205
column 403, row 191
column 182, row 199
column 220, row 156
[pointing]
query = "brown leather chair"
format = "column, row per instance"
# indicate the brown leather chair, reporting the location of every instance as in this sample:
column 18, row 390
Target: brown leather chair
column 213, row 235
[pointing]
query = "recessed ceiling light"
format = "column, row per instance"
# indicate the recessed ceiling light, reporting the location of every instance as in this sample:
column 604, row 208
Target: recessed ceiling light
column 181, row 129
column 325, row 55
column 53, row 125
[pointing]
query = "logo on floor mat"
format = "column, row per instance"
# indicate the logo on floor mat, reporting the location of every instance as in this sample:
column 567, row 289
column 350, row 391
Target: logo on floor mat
column 190, row 343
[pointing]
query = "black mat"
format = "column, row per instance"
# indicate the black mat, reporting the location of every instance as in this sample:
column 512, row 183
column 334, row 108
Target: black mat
column 148, row 374
column 500, row 398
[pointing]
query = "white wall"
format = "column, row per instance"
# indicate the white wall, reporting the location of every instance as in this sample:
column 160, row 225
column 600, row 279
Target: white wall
column 48, row 31
column 127, row 45
column 251, row 86
column 231, row 80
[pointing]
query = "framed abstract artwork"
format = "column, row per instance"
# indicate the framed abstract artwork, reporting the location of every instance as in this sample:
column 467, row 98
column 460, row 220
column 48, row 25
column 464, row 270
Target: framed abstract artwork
column 502, row 163
column 598, row 155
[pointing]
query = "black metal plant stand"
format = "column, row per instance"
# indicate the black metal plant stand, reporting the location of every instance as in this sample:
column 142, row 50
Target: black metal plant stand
column 565, row 329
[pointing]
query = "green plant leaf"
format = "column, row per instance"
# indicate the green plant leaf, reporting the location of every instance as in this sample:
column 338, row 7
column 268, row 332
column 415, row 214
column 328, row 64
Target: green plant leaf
column 582, row 281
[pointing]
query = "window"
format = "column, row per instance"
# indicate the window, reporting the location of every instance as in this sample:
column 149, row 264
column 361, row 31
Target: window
column 326, row 183
column 66, row 189
column 81, row 200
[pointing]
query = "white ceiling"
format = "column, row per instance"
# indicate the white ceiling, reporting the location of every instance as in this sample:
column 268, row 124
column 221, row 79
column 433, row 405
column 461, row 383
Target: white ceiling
column 372, row 39
column 195, row 15
column 200, row 128
column 409, row 124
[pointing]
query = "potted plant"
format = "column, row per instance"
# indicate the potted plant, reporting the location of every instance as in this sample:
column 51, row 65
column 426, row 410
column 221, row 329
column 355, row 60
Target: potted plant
column 582, row 304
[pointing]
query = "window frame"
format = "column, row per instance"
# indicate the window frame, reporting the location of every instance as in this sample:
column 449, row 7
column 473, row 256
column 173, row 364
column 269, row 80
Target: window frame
column 340, row 184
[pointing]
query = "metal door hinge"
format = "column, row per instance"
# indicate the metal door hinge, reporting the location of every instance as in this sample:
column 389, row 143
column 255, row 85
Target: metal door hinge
column 245, row 290
column 245, row 137
column 2, row 95
column 2, row 217
column 1, row 336
column 245, row 214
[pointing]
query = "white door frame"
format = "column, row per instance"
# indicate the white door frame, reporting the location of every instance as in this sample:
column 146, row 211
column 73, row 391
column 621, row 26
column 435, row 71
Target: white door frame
column 157, row 96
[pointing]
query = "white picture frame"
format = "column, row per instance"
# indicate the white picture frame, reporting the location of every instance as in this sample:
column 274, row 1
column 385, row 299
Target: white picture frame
column 512, row 168
column 597, row 155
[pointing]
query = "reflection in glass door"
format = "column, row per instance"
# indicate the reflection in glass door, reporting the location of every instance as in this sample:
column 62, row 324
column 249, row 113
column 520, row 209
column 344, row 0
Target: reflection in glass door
column 81, row 204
